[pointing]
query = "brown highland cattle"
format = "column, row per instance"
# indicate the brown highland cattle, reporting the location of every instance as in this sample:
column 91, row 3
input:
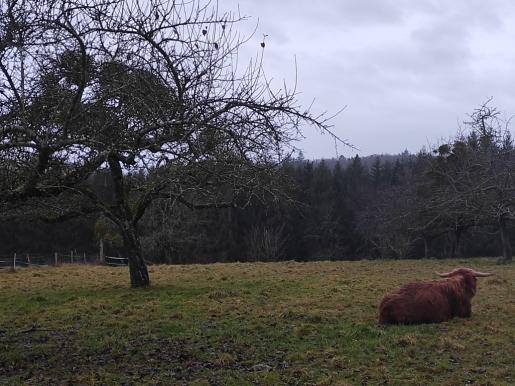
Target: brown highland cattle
column 431, row 301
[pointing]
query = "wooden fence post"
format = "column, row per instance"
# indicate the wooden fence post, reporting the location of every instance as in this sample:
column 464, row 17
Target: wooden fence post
column 84, row 257
column 14, row 262
column 28, row 259
column 55, row 258
column 71, row 256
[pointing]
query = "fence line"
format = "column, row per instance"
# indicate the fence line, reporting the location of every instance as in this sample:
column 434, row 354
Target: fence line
column 14, row 261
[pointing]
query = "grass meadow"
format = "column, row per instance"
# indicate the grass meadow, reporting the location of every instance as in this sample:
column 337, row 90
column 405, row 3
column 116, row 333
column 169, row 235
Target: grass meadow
column 283, row 323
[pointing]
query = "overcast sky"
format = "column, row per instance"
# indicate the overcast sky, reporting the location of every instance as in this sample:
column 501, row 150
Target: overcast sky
column 408, row 71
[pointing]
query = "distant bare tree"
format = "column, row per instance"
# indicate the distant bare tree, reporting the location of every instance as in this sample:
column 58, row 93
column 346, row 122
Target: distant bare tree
column 148, row 91
column 265, row 244
column 386, row 224
column 475, row 175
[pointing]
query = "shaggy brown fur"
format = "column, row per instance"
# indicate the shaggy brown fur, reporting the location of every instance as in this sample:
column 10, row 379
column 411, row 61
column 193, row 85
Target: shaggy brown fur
column 432, row 301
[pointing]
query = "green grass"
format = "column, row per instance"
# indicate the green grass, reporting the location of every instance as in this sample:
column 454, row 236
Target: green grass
column 248, row 324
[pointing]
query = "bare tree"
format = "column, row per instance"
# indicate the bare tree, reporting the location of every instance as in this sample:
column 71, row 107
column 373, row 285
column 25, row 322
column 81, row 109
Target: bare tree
column 476, row 175
column 149, row 91
column 387, row 223
column 265, row 243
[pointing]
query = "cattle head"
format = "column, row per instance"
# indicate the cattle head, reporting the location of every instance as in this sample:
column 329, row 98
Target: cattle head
column 469, row 275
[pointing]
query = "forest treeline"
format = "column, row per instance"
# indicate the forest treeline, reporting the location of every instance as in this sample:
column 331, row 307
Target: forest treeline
column 451, row 201
column 130, row 124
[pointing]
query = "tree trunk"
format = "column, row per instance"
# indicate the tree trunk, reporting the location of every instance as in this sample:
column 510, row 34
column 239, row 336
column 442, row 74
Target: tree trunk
column 505, row 239
column 426, row 247
column 137, row 266
column 101, row 252
column 456, row 251
column 127, row 224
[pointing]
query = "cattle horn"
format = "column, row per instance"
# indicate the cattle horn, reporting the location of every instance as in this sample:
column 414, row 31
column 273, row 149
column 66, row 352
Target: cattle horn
column 476, row 274
column 482, row 274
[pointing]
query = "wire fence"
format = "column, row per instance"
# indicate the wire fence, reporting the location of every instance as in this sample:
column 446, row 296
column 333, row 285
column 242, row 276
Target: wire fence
column 22, row 260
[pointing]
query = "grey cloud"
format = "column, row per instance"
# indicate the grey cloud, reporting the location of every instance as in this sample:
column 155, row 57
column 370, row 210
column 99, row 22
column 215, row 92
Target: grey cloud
column 409, row 71
column 369, row 12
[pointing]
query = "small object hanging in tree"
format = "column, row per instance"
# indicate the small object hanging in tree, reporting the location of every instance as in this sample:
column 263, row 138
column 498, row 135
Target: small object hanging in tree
column 204, row 32
column 216, row 46
column 263, row 42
